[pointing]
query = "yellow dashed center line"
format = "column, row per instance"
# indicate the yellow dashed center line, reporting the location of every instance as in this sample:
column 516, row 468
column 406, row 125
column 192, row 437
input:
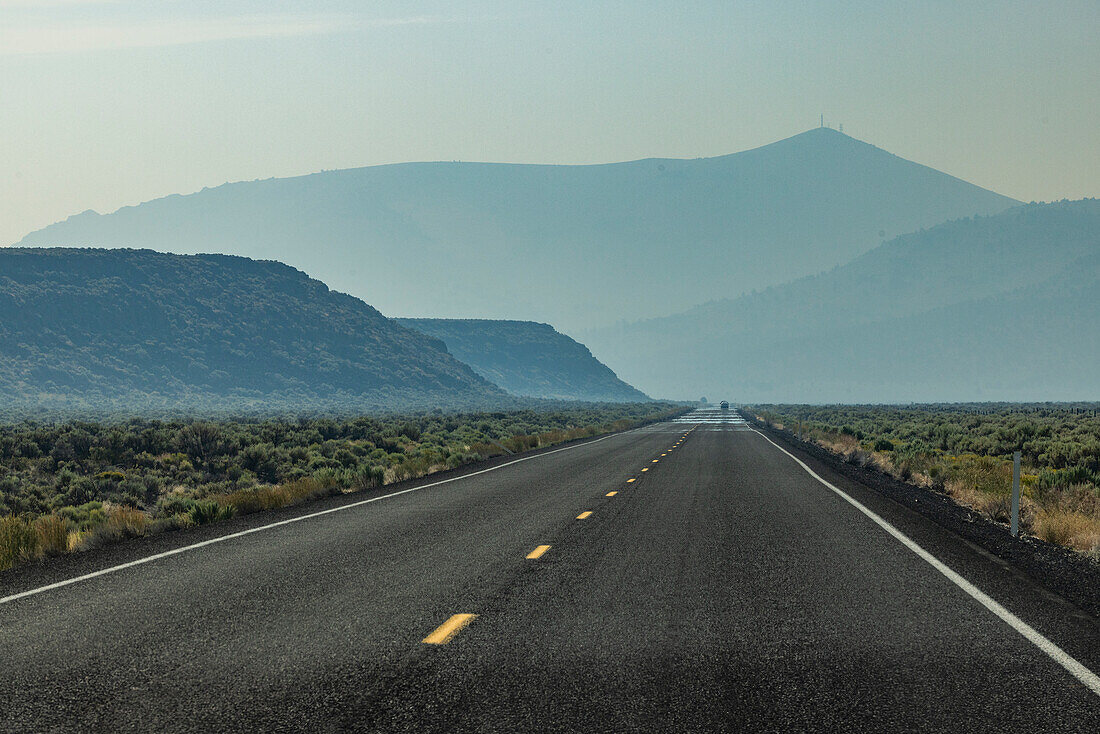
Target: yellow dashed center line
column 646, row 469
column 538, row 551
column 584, row 514
column 631, row 480
column 444, row 632
column 654, row 461
column 610, row 494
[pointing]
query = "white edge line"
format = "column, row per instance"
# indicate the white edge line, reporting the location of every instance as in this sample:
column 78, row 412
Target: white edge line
column 1057, row 654
column 219, row 539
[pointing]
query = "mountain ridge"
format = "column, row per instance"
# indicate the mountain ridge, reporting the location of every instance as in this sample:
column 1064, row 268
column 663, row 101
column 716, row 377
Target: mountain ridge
column 907, row 308
column 87, row 327
column 446, row 239
column 528, row 358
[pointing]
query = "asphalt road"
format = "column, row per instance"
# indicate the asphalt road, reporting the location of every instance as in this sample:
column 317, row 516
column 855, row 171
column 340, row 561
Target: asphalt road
column 724, row 589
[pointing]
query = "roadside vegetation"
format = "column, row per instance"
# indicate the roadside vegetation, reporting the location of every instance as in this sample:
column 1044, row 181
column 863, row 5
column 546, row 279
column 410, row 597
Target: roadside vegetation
column 74, row 485
column 965, row 451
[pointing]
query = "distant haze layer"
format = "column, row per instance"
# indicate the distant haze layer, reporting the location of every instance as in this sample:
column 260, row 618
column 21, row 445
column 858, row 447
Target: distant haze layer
column 576, row 246
column 990, row 308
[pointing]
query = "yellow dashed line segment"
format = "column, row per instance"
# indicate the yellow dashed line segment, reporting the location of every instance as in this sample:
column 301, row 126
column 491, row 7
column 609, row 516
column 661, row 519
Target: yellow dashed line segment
column 610, row 494
column 584, row 514
column 444, row 632
column 538, row 551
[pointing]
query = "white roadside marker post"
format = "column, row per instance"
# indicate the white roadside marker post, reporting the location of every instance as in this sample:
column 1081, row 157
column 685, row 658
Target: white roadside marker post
column 1016, row 494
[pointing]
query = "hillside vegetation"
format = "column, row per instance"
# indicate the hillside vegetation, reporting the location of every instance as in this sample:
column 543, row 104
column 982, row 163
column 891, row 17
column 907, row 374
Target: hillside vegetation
column 966, row 451
column 577, row 246
column 991, row 308
column 527, row 358
column 98, row 330
column 73, row 485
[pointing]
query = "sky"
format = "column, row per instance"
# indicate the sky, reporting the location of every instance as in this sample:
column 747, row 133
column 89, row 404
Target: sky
column 108, row 104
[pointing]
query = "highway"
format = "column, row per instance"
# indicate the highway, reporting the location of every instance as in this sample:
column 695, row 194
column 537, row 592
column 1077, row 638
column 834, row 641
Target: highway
column 689, row 576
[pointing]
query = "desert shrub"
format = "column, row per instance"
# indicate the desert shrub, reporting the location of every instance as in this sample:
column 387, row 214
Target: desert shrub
column 457, row 459
column 984, row 474
column 328, row 478
column 519, row 443
column 208, row 511
column 119, row 478
column 85, row 516
column 120, row 523
column 411, row 468
column 858, row 457
column 367, row 477
column 173, row 504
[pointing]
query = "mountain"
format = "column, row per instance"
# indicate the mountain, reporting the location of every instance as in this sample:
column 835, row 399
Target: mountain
column 576, row 246
column 999, row 308
column 89, row 329
column 526, row 358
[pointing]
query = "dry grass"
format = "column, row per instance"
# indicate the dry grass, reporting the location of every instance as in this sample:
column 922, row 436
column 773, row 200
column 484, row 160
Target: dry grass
column 18, row 541
column 1071, row 518
column 53, row 535
column 996, row 506
column 1071, row 529
column 839, row 443
column 412, row 468
column 76, row 540
column 127, row 521
column 23, row 540
column 247, row 501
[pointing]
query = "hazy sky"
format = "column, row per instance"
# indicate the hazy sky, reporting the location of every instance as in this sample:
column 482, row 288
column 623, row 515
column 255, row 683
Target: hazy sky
column 104, row 104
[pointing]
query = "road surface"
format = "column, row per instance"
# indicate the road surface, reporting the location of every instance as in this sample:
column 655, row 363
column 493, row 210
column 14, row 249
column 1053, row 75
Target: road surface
column 689, row 576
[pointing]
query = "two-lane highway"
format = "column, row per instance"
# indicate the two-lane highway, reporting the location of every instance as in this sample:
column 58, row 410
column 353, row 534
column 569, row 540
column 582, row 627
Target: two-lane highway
column 689, row 576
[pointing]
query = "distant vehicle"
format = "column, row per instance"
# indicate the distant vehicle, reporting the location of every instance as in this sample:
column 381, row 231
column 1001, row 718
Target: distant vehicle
column 725, row 405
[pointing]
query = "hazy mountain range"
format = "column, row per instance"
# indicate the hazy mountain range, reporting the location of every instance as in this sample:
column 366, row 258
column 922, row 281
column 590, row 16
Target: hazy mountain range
column 988, row 308
column 89, row 331
column 527, row 358
column 575, row 246
column 816, row 269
